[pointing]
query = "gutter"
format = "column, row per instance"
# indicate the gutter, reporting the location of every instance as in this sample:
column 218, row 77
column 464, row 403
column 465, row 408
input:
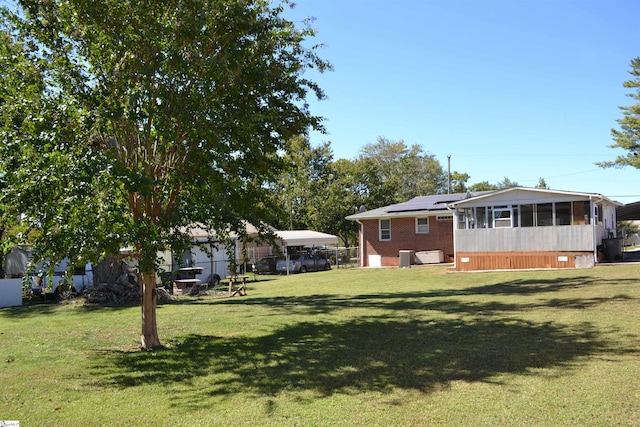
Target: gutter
column 594, row 225
column 593, row 229
column 360, row 243
column 455, row 228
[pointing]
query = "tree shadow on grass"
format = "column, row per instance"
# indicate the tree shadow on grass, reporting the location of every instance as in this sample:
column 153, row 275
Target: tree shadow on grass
column 318, row 304
column 395, row 350
column 26, row 311
column 442, row 299
column 533, row 286
column 351, row 357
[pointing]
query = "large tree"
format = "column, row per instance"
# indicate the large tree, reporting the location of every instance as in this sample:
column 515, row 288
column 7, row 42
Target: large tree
column 340, row 194
column 150, row 117
column 317, row 192
column 396, row 172
column 486, row 186
column 628, row 136
column 20, row 83
column 300, row 183
column 459, row 182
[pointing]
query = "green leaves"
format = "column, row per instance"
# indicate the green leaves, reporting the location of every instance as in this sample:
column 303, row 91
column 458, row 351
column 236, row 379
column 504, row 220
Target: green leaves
column 124, row 121
column 398, row 173
column 627, row 136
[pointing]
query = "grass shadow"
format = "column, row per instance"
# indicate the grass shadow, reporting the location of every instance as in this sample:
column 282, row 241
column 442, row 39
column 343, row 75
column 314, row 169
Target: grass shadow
column 28, row 310
column 350, row 357
column 444, row 301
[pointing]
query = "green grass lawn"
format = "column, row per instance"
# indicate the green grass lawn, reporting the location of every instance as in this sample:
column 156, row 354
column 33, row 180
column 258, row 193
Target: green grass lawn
column 387, row 347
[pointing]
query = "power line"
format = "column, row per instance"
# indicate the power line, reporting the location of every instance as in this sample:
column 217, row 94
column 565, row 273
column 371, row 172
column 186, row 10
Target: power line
column 575, row 173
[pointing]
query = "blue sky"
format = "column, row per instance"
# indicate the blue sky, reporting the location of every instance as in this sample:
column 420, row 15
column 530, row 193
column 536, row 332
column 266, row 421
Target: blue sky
column 517, row 89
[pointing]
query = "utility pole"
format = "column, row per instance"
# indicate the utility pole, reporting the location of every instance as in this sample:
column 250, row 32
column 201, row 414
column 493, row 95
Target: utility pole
column 449, row 174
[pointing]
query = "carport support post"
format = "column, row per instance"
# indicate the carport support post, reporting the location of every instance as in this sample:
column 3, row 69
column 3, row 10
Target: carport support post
column 286, row 258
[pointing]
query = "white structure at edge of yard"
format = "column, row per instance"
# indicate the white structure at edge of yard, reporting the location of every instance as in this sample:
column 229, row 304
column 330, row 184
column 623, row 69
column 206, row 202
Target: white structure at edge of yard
column 10, row 292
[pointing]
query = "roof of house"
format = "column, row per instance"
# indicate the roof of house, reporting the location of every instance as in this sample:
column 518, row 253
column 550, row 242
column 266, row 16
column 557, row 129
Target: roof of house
column 422, row 205
column 441, row 203
column 517, row 192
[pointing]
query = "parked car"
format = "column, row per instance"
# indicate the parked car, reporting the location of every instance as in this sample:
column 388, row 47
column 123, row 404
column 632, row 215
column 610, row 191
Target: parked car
column 303, row 263
column 266, row 265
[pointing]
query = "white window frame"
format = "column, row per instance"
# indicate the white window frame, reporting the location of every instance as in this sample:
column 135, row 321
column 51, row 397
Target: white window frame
column 501, row 219
column 418, row 225
column 381, row 230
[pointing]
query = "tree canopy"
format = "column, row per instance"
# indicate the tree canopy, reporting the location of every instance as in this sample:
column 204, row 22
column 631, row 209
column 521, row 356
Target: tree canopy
column 627, row 136
column 138, row 120
column 396, row 172
column 486, row 186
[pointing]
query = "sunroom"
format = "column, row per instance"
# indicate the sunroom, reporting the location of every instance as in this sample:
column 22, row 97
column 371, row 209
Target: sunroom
column 521, row 228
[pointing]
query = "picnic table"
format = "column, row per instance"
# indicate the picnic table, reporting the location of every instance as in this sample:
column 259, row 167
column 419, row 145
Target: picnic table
column 186, row 280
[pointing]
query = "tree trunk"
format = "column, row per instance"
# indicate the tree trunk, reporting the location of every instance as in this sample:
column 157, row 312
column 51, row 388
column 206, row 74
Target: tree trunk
column 150, row 337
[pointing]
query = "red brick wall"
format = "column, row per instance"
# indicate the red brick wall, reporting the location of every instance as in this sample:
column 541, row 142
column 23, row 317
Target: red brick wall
column 404, row 237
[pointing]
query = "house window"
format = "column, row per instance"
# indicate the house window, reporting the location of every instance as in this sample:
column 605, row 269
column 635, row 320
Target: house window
column 444, row 218
column 527, row 214
column 502, row 217
column 422, row 225
column 385, row 229
column 580, row 213
column 544, row 214
column 530, row 215
column 464, row 215
column 481, row 217
column 563, row 213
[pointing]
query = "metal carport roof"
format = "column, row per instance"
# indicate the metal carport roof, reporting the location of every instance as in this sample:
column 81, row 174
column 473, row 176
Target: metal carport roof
column 306, row 238
column 628, row 212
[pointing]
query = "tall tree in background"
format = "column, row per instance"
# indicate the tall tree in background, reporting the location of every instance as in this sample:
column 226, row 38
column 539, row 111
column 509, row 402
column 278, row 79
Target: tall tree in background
column 316, row 192
column 459, row 182
column 341, row 195
column 148, row 117
column 397, row 173
column 486, row 186
column 628, row 136
column 300, row 183
column 542, row 184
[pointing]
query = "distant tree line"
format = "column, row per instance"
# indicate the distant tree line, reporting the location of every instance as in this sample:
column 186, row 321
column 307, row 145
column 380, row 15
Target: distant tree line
column 317, row 191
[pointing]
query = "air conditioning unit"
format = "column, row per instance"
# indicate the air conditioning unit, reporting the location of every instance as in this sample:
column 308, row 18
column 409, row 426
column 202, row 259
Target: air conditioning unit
column 406, row 258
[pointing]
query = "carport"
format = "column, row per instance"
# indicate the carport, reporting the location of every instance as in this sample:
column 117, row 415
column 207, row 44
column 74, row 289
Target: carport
column 306, row 238
column 310, row 238
column 628, row 212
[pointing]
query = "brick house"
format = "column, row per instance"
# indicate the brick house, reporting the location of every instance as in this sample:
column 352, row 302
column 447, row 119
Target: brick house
column 423, row 225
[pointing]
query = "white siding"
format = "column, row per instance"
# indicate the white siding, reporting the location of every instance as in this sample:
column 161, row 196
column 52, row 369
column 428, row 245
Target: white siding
column 523, row 239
